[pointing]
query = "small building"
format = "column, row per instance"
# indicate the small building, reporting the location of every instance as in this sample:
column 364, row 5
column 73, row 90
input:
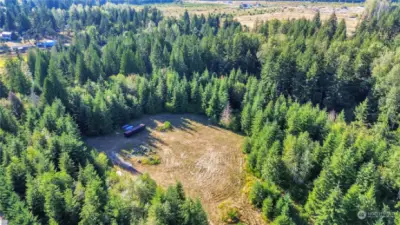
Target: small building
column 3, row 221
column 46, row 44
column 6, row 36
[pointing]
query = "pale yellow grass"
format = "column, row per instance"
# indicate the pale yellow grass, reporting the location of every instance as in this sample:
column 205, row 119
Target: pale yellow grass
column 206, row 159
column 351, row 13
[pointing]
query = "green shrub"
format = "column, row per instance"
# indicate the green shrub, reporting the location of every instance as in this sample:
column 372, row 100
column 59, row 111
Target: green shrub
column 125, row 153
column 233, row 215
column 229, row 214
column 246, row 145
column 165, row 127
column 152, row 160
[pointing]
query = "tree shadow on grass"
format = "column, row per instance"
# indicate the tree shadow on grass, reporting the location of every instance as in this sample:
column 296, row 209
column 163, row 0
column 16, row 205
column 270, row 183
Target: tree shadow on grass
column 119, row 161
column 115, row 142
column 184, row 125
column 153, row 140
column 180, row 122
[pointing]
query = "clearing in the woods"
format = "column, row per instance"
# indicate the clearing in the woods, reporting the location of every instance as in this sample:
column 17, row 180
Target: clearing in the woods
column 206, row 159
column 267, row 10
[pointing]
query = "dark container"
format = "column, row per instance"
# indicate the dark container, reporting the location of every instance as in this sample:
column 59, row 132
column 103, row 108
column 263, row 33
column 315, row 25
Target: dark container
column 134, row 130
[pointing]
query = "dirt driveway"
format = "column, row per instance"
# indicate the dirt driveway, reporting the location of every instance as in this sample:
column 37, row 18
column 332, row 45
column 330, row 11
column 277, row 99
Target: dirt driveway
column 205, row 158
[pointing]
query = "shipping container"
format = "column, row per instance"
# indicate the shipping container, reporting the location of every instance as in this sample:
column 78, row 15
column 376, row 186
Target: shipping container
column 134, row 130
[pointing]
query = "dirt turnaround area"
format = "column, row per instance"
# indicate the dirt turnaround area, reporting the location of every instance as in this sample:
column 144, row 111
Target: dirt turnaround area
column 206, row 159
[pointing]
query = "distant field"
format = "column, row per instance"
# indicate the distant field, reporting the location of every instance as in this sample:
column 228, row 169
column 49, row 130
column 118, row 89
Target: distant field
column 351, row 13
column 206, row 159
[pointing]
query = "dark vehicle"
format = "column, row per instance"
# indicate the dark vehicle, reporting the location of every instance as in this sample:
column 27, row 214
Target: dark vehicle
column 126, row 126
column 134, row 130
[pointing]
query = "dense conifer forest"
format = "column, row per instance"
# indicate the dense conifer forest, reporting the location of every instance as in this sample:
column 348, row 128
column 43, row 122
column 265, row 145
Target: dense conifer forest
column 320, row 109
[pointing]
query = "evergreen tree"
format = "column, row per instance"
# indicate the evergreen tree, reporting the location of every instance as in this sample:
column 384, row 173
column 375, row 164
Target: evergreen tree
column 156, row 57
column 127, row 63
column 93, row 62
column 16, row 105
column 330, row 210
column 93, row 207
column 297, row 156
column 17, row 80
column 361, row 112
column 54, row 204
column 53, row 86
column 246, row 119
column 41, row 65
column 80, row 72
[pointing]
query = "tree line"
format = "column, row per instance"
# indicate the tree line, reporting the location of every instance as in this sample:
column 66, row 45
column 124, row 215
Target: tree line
column 32, row 19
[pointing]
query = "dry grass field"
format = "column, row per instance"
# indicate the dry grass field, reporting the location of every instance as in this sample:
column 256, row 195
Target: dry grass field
column 205, row 158
column 351, row 13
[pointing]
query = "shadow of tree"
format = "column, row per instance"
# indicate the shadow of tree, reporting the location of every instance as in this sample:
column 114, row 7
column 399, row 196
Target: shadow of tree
column 112, row 144
column 117, row 160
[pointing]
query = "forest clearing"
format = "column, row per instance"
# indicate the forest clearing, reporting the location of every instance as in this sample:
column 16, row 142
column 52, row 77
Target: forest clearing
column 351, row 13
column 206, row 159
